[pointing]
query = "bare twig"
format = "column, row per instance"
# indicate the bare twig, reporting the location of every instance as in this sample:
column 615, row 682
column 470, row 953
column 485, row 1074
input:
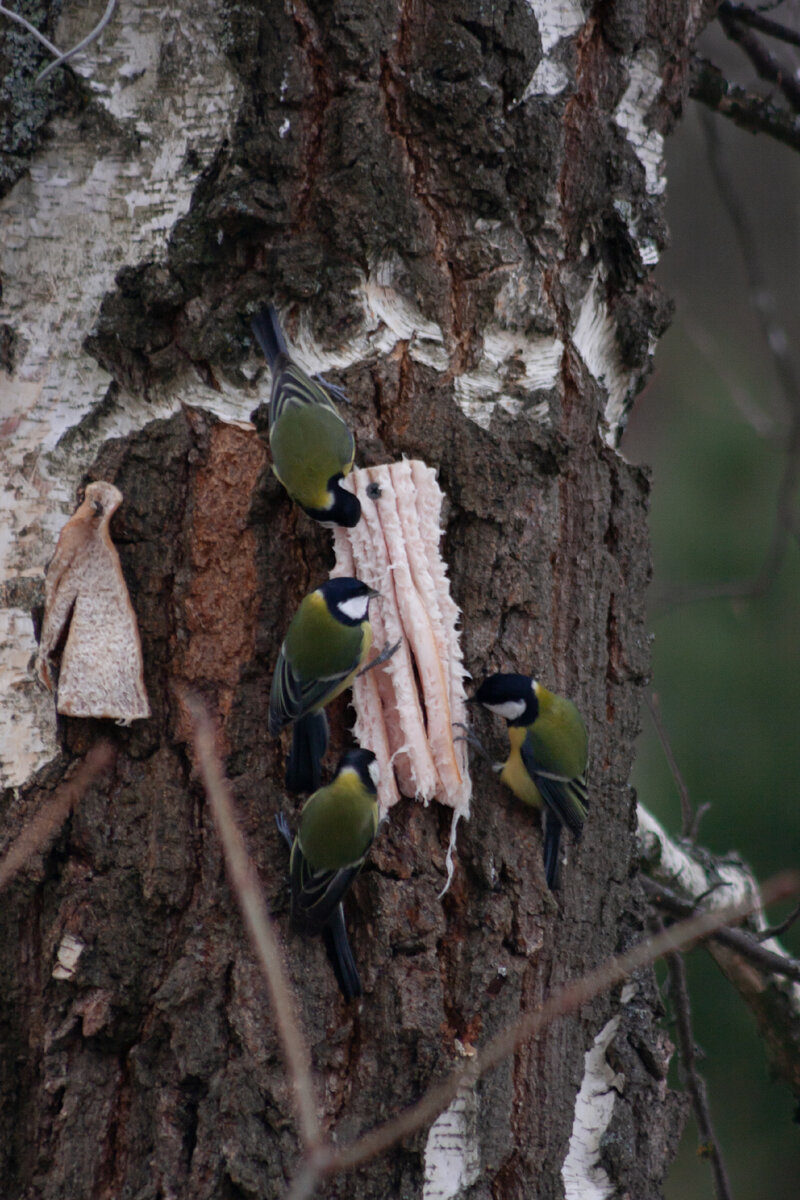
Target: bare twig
column 52, row 815
column 756, row 20
column 744, row 943
column 246, row 888
column 747, row 110
column 87, row 41
column 775, row 336
column 567, row 999
column 765, row 63
column 688, row 820
column 322, row 1158
column 695, row 1084
column 718, row 359
column 309, row 1176
column 772, row 931
column 32, row 30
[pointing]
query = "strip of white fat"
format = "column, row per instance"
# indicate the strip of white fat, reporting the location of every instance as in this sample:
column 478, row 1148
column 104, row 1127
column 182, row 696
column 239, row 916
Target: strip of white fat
column 370, row 727
column 428, row 496
column 404, row 718
column 395, row 548
column 394, row 681
column 418, row 617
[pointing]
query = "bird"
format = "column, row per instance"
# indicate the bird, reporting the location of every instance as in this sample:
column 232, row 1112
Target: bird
column 325, row 646
column 337, row 827
column 312, row 448
column 546, row 766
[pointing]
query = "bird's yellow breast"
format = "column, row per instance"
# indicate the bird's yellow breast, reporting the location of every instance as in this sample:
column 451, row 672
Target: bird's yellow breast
column 310, row 444
column 514, row 774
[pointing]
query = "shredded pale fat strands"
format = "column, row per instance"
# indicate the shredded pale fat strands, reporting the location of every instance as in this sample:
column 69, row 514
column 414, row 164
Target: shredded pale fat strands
column 101, row 672
column 406, row 709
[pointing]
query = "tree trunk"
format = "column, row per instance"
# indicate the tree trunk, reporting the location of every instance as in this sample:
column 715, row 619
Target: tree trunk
column 458, row 206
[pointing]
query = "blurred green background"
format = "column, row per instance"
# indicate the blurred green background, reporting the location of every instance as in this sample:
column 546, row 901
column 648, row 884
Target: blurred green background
column 726, row 672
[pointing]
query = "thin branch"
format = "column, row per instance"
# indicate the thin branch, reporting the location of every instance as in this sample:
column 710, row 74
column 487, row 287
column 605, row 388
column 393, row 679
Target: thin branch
column 747, row 110
column 775, row 337
column 309, row 1176
column 762, row 423
column 32, row 30
column 321, row 1157
column 695, row 1084
column 756, row 20
column 772, row 931
column 744, row 943
column 688, row 819
column 87, row 41
column 765, row 63
column 567, row 999
column 730, row 589
column 52, row 814
column 246, row 888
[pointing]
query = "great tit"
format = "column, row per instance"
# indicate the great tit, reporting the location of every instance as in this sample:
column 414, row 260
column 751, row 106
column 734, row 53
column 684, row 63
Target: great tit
column 337, row 827
column 546, row 765
column 327, row 642
column 312, row 448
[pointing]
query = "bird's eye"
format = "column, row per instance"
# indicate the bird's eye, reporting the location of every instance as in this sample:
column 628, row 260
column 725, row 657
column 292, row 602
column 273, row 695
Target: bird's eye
column 98, row 508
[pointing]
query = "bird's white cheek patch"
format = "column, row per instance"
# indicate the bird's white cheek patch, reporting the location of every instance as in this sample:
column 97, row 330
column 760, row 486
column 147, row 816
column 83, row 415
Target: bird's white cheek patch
column 355, row 609
column 405, row 710
column 511, row 709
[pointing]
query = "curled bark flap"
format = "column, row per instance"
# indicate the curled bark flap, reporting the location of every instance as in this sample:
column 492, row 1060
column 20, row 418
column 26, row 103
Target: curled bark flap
column 101, row 672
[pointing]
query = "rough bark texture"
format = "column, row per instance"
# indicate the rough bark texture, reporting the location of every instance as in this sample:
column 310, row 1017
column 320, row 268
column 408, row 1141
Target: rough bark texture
column 382, row 160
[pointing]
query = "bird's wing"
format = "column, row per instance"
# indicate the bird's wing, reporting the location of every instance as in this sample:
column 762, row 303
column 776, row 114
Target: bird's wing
column 316, row 894
column 291, row 698
column 567, row 798
column 286, row 696
column 293, row 388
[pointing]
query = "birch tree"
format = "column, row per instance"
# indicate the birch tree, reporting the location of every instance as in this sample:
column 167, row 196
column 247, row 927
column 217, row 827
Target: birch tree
column 458, row 208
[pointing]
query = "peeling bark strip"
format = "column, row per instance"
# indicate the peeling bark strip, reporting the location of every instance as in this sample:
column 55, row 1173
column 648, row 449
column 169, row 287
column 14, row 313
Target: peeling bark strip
column 101, row 672
column 409, row 725
column 220, row 606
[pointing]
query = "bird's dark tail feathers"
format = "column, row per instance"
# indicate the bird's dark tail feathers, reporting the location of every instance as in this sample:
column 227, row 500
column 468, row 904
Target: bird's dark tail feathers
column 269, row 335
column 552, row 847
column 309, row 743
column 341, row 956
